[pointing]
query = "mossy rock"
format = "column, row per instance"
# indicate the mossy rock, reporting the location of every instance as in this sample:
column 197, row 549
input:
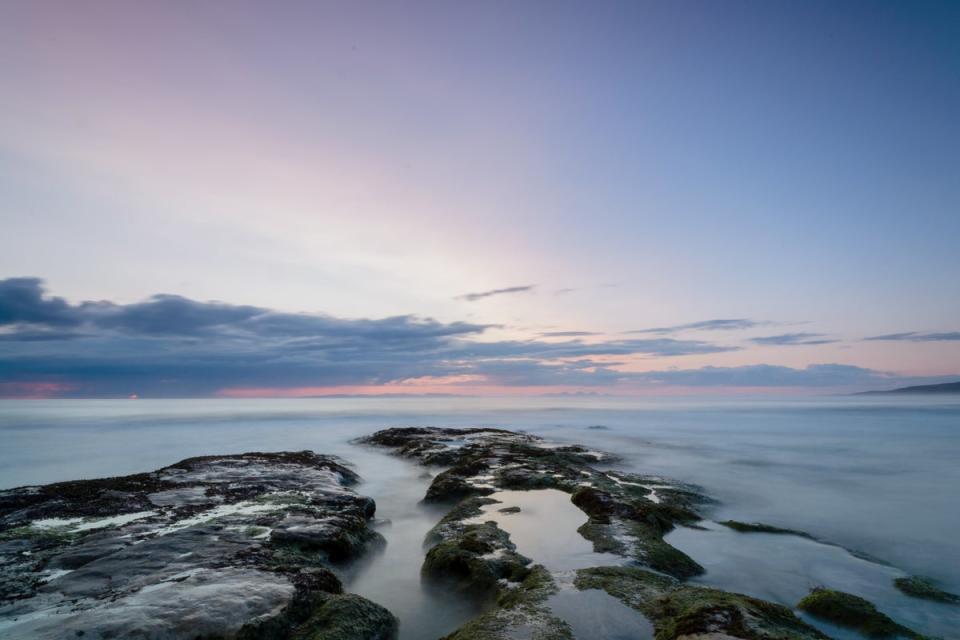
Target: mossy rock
column 646, row 545
column 853, row 611
column 348, row 617
column 521, row 612
column 920, row 587
column 678, row 609
column 473, row 561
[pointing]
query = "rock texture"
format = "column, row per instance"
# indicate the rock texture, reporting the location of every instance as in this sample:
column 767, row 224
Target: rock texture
column 627, row 514
column 237, row 546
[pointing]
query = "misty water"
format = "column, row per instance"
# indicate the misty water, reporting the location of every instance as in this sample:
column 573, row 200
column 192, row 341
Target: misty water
column 875, row 475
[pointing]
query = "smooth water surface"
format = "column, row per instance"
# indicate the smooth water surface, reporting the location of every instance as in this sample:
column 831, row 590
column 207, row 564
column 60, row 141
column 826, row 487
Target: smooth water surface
column 875, row 474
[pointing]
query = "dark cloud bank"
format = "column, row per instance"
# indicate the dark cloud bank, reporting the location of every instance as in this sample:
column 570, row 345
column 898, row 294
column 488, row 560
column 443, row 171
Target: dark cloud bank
column 172, row 346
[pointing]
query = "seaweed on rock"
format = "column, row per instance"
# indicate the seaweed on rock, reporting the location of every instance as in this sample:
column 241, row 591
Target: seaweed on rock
column 855, row 612
column 680, row 610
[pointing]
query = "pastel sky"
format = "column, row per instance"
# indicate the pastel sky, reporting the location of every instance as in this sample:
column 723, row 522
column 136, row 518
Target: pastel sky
column 299, row 198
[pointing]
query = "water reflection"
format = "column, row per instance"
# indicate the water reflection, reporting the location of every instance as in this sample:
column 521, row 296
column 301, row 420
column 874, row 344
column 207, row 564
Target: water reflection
column 545, row 529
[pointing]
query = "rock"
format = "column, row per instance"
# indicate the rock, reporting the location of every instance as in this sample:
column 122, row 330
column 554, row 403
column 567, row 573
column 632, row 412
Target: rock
column 681, row 611
column 623, row 517
column 473, row 559
column 218, row 546
column 919, row 587
column 521, row 612
column 757, row 527
column 853, row 611
column 347, row 617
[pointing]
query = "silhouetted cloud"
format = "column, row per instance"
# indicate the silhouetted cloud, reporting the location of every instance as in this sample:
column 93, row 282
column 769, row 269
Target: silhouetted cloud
column 171, row 345
column 472, row 297
column 793, row 339
column 174, row 346
column 723, row 324
column 916, row 336
column 22, row 301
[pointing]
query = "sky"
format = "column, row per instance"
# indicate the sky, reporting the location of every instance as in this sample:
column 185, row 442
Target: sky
column 311, row 198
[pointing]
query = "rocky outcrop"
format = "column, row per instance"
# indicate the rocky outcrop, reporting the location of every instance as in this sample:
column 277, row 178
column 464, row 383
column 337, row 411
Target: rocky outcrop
column 237, row 546
column 681, row 611
column 923, row 588
column 853, row 611
column 627, row 513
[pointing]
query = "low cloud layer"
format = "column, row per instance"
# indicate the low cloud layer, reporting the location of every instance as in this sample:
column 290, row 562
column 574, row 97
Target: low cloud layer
column 168, row 346
column 473, row 297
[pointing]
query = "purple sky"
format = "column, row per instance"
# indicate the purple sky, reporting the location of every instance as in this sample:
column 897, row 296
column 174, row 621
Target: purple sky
column 478, row 197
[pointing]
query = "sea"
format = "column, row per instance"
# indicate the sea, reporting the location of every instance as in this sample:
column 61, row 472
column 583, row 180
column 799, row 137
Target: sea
column 874, row 479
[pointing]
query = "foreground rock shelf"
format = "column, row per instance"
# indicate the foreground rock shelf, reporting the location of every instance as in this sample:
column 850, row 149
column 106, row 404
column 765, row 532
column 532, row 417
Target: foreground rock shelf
column 550, row 540
column 237, row 546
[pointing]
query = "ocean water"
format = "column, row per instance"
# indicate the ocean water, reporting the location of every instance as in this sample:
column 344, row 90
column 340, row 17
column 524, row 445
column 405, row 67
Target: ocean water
column 877, row 475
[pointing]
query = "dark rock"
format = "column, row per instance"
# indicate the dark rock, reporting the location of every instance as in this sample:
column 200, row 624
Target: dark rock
column 678, row 610
column 853, row 611
column 211, row 547
column 923, row 588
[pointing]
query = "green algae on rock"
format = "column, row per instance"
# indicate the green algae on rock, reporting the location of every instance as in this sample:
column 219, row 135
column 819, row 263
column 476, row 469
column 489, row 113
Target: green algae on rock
column 855, row 612
column 627, row 513
column 680, row 610
column 521, row 612
column 920, row 587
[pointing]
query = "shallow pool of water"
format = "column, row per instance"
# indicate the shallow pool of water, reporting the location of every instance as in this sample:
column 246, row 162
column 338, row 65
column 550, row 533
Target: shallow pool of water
column 545, row 529
column 596, row 615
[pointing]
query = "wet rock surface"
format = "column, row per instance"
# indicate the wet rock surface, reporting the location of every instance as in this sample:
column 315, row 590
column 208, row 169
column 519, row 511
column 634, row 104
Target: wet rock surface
column 627, row 514
column 679, row 610
column 920, row 587
column 237, row 546
column 855, row 612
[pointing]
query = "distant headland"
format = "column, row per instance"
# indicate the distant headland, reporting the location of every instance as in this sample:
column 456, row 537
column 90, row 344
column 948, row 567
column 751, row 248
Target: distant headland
column 947, row 387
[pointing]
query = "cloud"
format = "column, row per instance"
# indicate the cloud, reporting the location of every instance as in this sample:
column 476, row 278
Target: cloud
column 169, row 345
column 473, row 297
column 916, row 336
column 765, row 375
column 793, row 339
column 725, row 324
column 22, row 301
column 567, row 334
column 565, row 290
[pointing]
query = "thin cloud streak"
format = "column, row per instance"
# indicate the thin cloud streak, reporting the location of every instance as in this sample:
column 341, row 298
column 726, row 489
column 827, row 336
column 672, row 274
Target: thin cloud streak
column 473, row 297
column 916, row 336
column 794, row 339
column 723, row 324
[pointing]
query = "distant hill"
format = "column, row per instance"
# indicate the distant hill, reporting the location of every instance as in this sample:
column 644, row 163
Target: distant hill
column 947, row 387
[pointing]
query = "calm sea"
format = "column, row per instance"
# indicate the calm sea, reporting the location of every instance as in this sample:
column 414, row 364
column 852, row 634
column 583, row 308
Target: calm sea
column 878, row 475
